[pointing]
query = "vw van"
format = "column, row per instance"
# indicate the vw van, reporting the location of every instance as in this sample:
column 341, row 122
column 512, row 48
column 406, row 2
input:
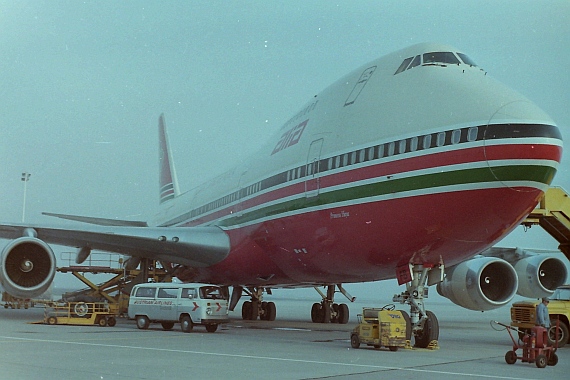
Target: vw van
column 169, row 303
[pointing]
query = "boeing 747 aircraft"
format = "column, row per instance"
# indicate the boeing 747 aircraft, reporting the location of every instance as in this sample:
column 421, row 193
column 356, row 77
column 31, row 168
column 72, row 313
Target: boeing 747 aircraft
column 410, row 167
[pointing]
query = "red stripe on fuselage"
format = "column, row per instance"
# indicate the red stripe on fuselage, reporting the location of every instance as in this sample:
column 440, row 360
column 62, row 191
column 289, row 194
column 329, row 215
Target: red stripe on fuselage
column 419, row 162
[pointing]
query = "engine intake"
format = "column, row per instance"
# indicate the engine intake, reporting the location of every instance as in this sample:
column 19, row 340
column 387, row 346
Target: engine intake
column 482, row 283
column 27, row 267
column 540, row 275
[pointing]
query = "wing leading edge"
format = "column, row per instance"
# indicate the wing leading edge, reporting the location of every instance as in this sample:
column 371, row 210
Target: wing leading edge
column 194, row 246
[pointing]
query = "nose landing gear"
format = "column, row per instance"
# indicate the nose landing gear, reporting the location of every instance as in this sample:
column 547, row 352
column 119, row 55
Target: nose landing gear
column 425, row 326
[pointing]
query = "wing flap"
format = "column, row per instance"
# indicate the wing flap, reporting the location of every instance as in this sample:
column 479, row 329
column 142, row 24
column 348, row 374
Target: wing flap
column 98, row 221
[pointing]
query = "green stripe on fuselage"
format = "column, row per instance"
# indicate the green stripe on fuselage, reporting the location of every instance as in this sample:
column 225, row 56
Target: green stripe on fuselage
column 525, row 173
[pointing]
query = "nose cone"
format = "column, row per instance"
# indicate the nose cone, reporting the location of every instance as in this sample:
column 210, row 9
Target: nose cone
column 522, row 146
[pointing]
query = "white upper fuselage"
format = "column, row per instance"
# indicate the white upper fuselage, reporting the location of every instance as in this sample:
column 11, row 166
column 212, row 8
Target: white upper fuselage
column 408, row 125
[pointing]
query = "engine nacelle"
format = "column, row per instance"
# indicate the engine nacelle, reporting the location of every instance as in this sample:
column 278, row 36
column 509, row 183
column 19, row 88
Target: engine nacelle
column 27, row 267
column 540, row 275
column 482, row 283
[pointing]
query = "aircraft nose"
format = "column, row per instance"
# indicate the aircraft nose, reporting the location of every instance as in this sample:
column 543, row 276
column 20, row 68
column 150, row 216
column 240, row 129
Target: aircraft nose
column 522, row 145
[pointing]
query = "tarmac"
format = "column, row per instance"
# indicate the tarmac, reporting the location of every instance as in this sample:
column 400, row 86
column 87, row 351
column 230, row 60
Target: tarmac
column 291, row 347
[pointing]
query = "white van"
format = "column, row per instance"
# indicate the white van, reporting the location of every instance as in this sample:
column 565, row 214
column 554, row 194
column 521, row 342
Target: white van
column 188, row 304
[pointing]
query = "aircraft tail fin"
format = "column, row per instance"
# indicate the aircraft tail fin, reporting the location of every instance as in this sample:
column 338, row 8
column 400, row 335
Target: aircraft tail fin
column 167, row 176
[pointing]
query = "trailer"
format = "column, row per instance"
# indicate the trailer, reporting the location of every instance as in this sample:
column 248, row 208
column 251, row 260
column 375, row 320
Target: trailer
column 81, row 313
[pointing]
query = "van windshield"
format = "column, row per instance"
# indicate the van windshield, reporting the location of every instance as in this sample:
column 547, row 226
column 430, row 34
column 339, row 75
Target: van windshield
column 212, row 292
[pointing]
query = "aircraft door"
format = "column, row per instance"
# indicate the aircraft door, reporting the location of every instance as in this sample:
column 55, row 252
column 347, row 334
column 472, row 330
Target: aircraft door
column 312, row 182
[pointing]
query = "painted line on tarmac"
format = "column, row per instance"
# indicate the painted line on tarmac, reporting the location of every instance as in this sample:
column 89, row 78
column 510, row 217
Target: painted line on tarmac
column 268, row 358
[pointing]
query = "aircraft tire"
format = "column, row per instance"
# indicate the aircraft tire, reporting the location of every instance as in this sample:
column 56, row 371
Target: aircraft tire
column 271, row 311
column 343, row 314
column 246, row 310
column 430, row 331
column 315, row 311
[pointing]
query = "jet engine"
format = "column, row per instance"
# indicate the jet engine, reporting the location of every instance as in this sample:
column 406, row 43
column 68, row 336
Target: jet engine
column 481, row 283
column 540, row 275
column 27, row 267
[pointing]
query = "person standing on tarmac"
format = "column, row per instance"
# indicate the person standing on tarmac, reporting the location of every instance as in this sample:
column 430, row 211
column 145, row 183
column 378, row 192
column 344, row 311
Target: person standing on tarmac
column 542, row 317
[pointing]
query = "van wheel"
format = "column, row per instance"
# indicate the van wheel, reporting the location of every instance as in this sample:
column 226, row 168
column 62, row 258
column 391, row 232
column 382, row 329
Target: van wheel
column 142, row 322
column 211, row 328
column 186, row 324
column 167, row 325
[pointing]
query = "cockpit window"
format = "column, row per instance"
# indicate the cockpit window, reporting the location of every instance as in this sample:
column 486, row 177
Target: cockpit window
column 403, row 66
column 466, row 59
column 441, row 57
column 416, row 62
column 438, row 58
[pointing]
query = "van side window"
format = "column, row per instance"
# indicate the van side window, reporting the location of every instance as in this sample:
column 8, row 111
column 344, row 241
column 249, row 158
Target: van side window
column 145, row 292
column 189, row 293
column 167, row 292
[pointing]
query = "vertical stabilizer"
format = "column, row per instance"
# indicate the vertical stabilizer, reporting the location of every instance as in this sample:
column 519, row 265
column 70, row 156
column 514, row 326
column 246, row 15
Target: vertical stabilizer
column 168, row 182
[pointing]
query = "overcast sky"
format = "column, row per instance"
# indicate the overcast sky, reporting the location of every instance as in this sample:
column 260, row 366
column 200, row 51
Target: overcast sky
column 82, row 84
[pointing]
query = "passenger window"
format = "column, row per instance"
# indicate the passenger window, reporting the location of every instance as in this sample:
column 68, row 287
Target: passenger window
column 145, row 292
column 427, row 142
column 441, row 57
column 391, row 148
column 402, row 146
column 414, row 144
column 167, row 292
column 456, row 136
column 380, row 151
column 189, row 293
column 440, row 138
column 361, row 155
column 371, row 153
column 472, row 134
column 404, row 65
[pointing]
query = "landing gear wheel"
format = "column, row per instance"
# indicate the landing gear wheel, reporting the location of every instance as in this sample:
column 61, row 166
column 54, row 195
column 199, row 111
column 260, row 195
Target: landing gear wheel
column 142, row 322
column 429, row 332
column 354, row 341
column 541, row 361
column 246, row 310
column 111, row 321
column 102, row 321
column 167, row 325
column 270, row 311
column 562, row 333
column 511, row 357
column 315, row 312
column 211, row 328
column 343, row 314
column 334, row 319
column 186, row 324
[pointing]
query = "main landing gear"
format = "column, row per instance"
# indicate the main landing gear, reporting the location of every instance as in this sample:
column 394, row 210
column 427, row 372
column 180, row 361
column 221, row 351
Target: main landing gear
column 329, row 312
column 251, row 310
column 425, row 326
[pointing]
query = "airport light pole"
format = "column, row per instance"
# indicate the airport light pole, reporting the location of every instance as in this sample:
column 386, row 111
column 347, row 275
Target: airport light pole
column 25, row 179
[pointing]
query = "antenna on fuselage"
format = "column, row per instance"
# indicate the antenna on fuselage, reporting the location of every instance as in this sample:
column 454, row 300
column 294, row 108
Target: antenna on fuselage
column 167, row 175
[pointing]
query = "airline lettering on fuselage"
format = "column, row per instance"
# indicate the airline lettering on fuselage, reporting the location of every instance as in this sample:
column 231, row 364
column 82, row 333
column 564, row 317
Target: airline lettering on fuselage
column 290, row 137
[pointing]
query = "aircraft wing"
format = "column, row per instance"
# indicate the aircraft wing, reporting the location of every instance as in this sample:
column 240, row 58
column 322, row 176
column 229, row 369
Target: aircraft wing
column 191, row 246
